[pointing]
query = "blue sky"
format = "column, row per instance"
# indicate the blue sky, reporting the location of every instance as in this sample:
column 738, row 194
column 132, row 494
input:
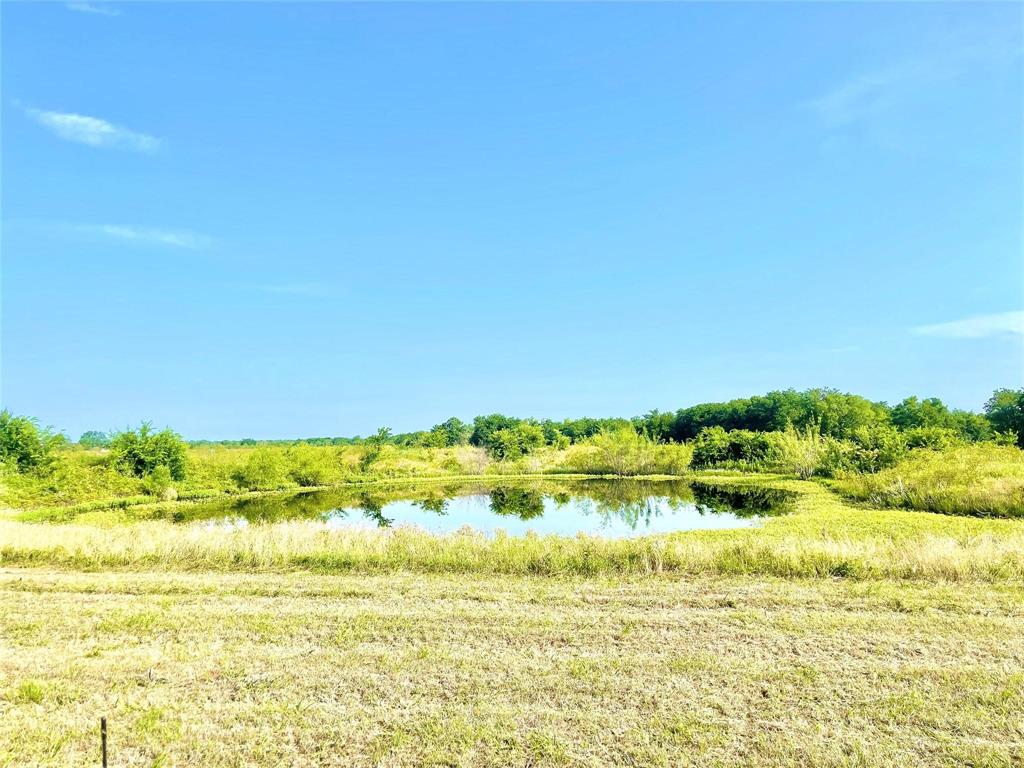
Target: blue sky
column 278, row 220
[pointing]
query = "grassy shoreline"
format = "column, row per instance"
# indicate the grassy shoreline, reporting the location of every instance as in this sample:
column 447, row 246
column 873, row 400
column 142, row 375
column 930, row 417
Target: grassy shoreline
column 823, row 537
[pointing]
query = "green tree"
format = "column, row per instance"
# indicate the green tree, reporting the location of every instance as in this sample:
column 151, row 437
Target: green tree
column 971, row 426
column 140, row 451
column 94, row 439
column 449, row 433
column 656, row 425
column 1005, row 412
column 841, row 415
column 485, row 426
column 375, row 448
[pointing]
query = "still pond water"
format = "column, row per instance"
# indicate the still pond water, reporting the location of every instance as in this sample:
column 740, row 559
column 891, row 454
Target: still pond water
column 613, row 509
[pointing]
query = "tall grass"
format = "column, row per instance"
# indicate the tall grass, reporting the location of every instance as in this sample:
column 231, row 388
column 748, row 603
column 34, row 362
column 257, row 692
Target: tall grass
column 981, row 479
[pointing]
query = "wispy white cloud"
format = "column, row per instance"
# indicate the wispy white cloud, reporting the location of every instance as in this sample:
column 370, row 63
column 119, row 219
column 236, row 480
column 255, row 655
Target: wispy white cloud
column 865, row 96
column 101, row 10
column 977, row 327
column 93, row 131
column 176, row 238
column 292, row 289
column 880, row 96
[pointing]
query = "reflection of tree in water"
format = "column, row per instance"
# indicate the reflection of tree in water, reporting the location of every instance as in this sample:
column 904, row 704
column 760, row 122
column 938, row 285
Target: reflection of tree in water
column 372, row 508
column 523, row 503
column 632, row 513
column 633, row 502
column 436, row 504
column 258, row 509
column 325, row 505
column 636, row 503
column 742, row 501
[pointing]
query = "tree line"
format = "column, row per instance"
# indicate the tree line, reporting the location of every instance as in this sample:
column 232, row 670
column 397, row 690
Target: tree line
column 828, row 412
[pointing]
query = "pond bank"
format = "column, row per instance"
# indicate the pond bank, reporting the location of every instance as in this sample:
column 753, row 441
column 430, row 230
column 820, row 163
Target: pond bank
column 823, row 537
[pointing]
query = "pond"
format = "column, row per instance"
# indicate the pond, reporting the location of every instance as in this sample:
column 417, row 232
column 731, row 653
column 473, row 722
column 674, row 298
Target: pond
column 613, row 509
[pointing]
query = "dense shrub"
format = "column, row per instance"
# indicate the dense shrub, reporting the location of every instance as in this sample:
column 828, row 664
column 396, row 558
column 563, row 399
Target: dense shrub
column 672, row 458
column 23, row 444
column 158, row 482
column 933, row 438
column 835, row 458
column 512, row 443
column 803, row 452
column 376, row 449
column 716, row 447
column 264, row 470
column 309, row 466
column 877, row 447
column 713, row 446
column 139, row 452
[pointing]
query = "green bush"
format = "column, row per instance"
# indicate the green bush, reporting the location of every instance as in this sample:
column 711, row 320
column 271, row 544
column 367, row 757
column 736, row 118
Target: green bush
column 716, row 447
column 672, row 458
column 1006, row 438
column 139, row 452
column 264, row 470
column 158, row 482
column 711, row 447
column 835, row 458
column 23, row 444
column 877, row 448
column 933, row 438
column 510, row 443
column 309, row 466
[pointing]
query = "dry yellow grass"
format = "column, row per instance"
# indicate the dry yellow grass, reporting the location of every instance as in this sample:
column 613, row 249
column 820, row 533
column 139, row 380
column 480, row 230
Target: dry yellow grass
column 402, row 670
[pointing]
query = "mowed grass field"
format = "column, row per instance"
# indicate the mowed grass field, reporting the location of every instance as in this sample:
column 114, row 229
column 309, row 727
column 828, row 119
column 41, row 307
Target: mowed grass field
column 302, row 669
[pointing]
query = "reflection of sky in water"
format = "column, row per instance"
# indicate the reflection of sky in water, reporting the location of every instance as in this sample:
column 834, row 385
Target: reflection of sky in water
column 646, row 516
